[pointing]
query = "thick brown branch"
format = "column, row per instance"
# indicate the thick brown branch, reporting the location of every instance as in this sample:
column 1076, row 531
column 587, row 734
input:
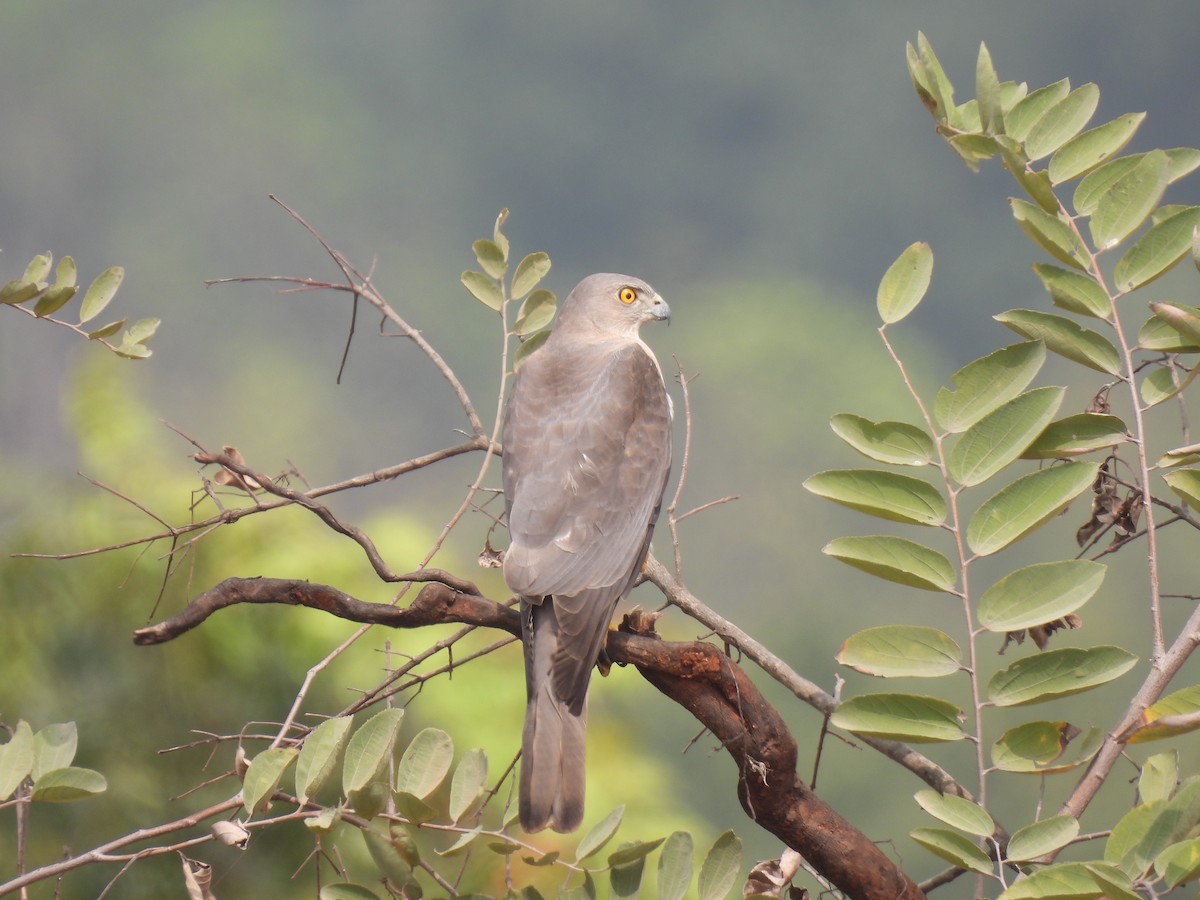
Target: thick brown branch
column 696, row 675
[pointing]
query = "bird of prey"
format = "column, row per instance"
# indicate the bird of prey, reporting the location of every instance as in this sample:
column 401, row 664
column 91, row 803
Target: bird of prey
column 587, row 453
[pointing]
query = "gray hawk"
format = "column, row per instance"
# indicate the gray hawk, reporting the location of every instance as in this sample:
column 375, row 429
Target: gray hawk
column 587, row 453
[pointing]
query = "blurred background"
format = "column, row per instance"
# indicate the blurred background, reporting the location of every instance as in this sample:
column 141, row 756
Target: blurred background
column 760, row 164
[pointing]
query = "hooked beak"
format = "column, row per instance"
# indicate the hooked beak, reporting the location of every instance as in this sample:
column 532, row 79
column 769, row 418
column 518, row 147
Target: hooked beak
column 659, row 310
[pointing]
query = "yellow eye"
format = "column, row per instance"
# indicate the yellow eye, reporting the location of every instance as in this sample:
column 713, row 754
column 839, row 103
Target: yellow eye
column 627, row 295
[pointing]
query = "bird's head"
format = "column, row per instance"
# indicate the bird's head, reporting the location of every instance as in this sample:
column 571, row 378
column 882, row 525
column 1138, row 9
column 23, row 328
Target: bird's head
column 608, row 305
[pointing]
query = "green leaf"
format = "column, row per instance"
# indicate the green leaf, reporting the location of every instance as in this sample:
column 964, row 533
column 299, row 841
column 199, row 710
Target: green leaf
column 675, row 866
column 897, row 443
column 953, row 847
column 67, row 785
column 893, row 651
column 1129, row 201
column 491, row 258
column 325, row 821
column 1160, row 384
column 898, row 498
column 468, row 785
column 956, row 812
column 345, row 890
column 1002, row 435
column 1179, row 862
column 319, row 755
column 39, row 267
column 1027, row 112
column 1185, row 483
column 413, row 807
column 1038, row 839
column 18, row 291
column 1156, row 251
column 900, row 717
column 1146, row 831
column 721, row 867
column 1050, row 233
column 1040, row 593
column 1074, row 291
column 1039, row 748
column 369, row 751
column 100, row 293
column 106, row 331
column 386, row 857
column 65, row 274
column 370, row 800
column 986, row 384
column 530, row 344
column 1062, row 121
column 54, row 299
column 625, row 881
column 895, row 559
column 905, row 283
column 537, row 311
column 425, row 763
column 54, row 746
column 1157, row 333
column 631, row 851
column 1086, row 151
column 1181, row 161
column 1029, row 502
column 1064, row 337
column 1062, row 881
column 600, row 834
column 1077, row 434
column 498, row 237
column 460, row 845
column 1175, row 714
column 1160, row 774
column 1058, row 673
column 529, row 272
column 483, row 289
column 141, row 331
column 263, row 776
column 1115, row 883
column 16, row 759
column 938, row 83
column 974, row 148
column 987, row 91
column 1184, row 319
column 1035, row 184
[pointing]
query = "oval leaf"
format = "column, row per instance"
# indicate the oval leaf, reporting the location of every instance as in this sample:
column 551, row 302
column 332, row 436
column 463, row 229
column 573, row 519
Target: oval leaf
column 528, row 345
column 1179, row 862
column 1021, row 507
column 369, row 750
column 1050, row 233
column 529, row 272
column 1175, row 714
column 1170, row 332
column 952, row 847
column 54, row 299
column 263, row 776
column 468, row 785
column 625, row 880
column 54, row 747
column 1040, row 748
column 1157, row 251
column 957, row 812
column 491, row 258
column 892, row 651
column 1042, row 837
column 895, row 559
column 1026, row 113
column 1062, row 121
column 1086, row 151
column 1077, row 434
column 67, row 785
column 675, row 866
column 1065, row 337
column 898, row 498
column 1185, row 483
column 905, row 283
column 721, row 867
column 537, row 311
column 987, row 383
column 632, row 851
column 483, row 289
column 1159, row 775
column 16, row 759
column 1063, row 881
column 600, row 834
column 1058, row 673
column 1074, row 291
column 1002, row 435
column 1129, row 201
column 100, row 293
column 900, row 717
column 897, row 443
column 1037, row 594
column 318, row 757
column 425, row 763
column 106, row 330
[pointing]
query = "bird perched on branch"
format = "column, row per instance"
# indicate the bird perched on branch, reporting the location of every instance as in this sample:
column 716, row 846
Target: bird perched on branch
column 587, row 453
